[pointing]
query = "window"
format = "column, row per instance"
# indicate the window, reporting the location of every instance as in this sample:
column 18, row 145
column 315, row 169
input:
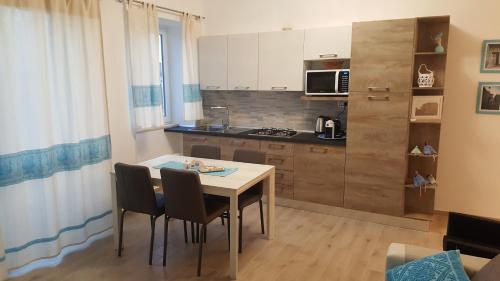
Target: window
column 164, row 81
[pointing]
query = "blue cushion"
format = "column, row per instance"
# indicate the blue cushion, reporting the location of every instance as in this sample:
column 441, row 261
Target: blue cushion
column 445, row 266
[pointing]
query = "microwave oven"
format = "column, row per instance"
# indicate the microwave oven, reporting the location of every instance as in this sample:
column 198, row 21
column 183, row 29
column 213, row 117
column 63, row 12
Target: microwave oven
column 329, row 82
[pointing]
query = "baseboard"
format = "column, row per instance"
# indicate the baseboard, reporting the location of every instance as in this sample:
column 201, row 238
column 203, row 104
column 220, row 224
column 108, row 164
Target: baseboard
column 408, row 223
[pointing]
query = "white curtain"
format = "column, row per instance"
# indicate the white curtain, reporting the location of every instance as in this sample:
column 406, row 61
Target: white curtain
column 54, row 145
column 144, row 65
column 193, row 108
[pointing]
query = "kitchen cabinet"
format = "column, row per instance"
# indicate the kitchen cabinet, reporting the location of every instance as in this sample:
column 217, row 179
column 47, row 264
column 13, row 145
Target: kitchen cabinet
column 382, row 56
column 327, row 43
column 213, row 62
column 189, row 140
column 319, row 174
column 280, row 155
column 243, row 62
column 281, row 61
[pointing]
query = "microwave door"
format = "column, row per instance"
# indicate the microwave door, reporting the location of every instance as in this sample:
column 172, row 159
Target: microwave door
column 321, row 82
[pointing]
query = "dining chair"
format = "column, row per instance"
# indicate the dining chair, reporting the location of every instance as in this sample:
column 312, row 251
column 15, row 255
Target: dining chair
column 185, row 201
column 208, row 152
column 251, row 195
column 205, row 151
column 135, row 193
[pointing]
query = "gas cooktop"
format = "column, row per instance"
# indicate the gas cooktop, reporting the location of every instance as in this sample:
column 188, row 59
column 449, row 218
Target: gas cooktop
column 273, row 132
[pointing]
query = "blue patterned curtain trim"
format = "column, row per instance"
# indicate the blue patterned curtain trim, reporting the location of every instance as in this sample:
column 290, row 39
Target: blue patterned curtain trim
column 147, row 96
column 55, row 237
column 191, row 92
column 43, row 163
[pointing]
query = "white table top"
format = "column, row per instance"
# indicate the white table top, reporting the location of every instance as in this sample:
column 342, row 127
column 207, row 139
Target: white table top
column 246, row 176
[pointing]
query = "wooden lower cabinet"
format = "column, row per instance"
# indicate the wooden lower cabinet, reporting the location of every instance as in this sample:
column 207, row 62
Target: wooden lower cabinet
column 376, row 152
column 319, row 174
column 189, row 140
column 229, row 145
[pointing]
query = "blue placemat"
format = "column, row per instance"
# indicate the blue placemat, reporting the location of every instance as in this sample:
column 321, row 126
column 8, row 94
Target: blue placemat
column 180, row 166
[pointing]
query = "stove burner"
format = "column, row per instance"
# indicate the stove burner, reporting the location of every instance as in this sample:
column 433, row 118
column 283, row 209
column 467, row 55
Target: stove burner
column 274, row 132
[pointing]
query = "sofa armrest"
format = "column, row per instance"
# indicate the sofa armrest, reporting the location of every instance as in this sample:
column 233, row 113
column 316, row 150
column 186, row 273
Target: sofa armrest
column 399, row 254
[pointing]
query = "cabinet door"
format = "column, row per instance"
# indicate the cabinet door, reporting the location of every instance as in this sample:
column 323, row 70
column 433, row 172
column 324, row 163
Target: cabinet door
column 376, row 152
column 281, row 61
column 327, row 43
column 213, row 62
column 382, row 56
column 189, row 140
column 243, row 62
column 229, row 145
column 319, row 174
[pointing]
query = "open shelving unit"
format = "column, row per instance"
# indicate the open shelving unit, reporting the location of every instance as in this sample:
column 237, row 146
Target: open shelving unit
column 420, row 204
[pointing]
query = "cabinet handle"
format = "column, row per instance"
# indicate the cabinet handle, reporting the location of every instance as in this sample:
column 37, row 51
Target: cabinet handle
column 241, row 88
column 375, row 98
column 279, row 88
column 276, row 146
column 212, row 87
column 277, row 161
column 238, row 143
column 317, row 150
column 379, row 89
column 323, row 56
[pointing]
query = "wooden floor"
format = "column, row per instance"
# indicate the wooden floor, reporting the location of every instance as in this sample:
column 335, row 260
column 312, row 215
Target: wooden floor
column 308, row 246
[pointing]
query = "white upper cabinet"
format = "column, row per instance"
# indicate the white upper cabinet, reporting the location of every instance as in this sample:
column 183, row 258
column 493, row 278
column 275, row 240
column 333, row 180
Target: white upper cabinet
column 243, row 62
column 281, row 61
column 327, row 43
column 213, row 62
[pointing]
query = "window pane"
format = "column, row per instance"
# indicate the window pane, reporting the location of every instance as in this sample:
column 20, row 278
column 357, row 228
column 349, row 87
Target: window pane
column 161, row 62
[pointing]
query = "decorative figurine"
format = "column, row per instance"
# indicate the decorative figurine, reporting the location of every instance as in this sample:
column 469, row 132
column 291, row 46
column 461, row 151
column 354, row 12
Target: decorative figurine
column 416, row 151
column 438, row 40
column 429, row 150
column 431, row 180
column 418, row 180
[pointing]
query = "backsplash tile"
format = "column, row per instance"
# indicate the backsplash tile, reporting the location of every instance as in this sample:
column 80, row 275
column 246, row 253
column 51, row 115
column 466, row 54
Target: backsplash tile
column 267, row 109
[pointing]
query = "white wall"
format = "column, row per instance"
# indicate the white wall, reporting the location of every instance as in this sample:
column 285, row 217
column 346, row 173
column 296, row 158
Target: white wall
column 127, row 146
column 469, row 161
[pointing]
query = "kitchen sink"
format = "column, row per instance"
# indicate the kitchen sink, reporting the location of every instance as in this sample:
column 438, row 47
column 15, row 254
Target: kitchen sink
column 230, row 130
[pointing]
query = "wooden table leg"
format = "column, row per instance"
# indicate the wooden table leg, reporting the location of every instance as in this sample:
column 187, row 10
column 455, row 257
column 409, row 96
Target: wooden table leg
column 116, row 213
column 269, row 186
column 233, row 251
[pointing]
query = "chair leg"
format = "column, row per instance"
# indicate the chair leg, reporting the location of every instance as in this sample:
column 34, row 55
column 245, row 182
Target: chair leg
column 165, row 239
column 185, row 233
column 151, row 244
column 261, row 216
column 197, row 232
column 192, row 232
column 120, row 235
column 201, row 232
column 240, row 234
column 222, row 219
column 228, row 233
column 205, row 235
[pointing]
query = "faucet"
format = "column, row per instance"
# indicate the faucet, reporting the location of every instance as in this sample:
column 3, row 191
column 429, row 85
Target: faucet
column 227, row 124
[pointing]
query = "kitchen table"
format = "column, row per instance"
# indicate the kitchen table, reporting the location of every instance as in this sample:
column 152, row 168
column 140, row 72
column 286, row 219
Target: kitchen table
column 229, row 186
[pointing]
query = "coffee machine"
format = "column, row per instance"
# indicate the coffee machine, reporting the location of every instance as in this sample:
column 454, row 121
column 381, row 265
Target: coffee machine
column 332, row 129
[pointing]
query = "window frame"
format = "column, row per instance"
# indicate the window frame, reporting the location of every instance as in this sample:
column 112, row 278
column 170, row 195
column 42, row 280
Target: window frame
column 167, row 114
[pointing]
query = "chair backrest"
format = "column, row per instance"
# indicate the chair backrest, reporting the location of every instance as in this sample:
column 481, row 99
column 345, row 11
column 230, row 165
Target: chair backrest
column 183, row 195
column 205, row 151
column 134, row 188
column 254, row 157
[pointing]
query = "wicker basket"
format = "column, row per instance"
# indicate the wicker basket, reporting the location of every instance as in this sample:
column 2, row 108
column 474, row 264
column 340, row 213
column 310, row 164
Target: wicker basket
column 425, row 80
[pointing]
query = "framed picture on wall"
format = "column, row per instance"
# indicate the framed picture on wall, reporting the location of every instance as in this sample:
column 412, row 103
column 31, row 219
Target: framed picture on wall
column 490, row 56
column 426, row 108
column 488, row 98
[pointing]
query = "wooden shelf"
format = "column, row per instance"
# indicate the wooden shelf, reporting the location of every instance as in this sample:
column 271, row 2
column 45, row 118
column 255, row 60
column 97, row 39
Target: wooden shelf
column 428, row 89
column 425, row 121
column 411, row 186
column 422, row 155
column 430, row 54
column 323, row 98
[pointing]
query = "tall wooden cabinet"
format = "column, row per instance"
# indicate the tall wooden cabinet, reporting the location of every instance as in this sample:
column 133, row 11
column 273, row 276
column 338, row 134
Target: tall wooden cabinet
column 381, row 81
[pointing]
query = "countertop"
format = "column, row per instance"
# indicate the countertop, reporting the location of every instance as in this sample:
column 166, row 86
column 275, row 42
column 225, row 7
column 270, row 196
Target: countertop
column 300, row 137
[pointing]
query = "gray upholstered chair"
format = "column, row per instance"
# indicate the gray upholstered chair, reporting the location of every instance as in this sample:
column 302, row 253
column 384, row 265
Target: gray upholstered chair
column 185, row 201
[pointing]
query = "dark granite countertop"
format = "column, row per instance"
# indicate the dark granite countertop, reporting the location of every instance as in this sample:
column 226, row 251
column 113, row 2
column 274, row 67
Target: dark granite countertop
column 301, row 137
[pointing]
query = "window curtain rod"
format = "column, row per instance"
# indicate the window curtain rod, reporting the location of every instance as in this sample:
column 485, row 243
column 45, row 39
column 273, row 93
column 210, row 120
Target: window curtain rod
column 164, row 9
